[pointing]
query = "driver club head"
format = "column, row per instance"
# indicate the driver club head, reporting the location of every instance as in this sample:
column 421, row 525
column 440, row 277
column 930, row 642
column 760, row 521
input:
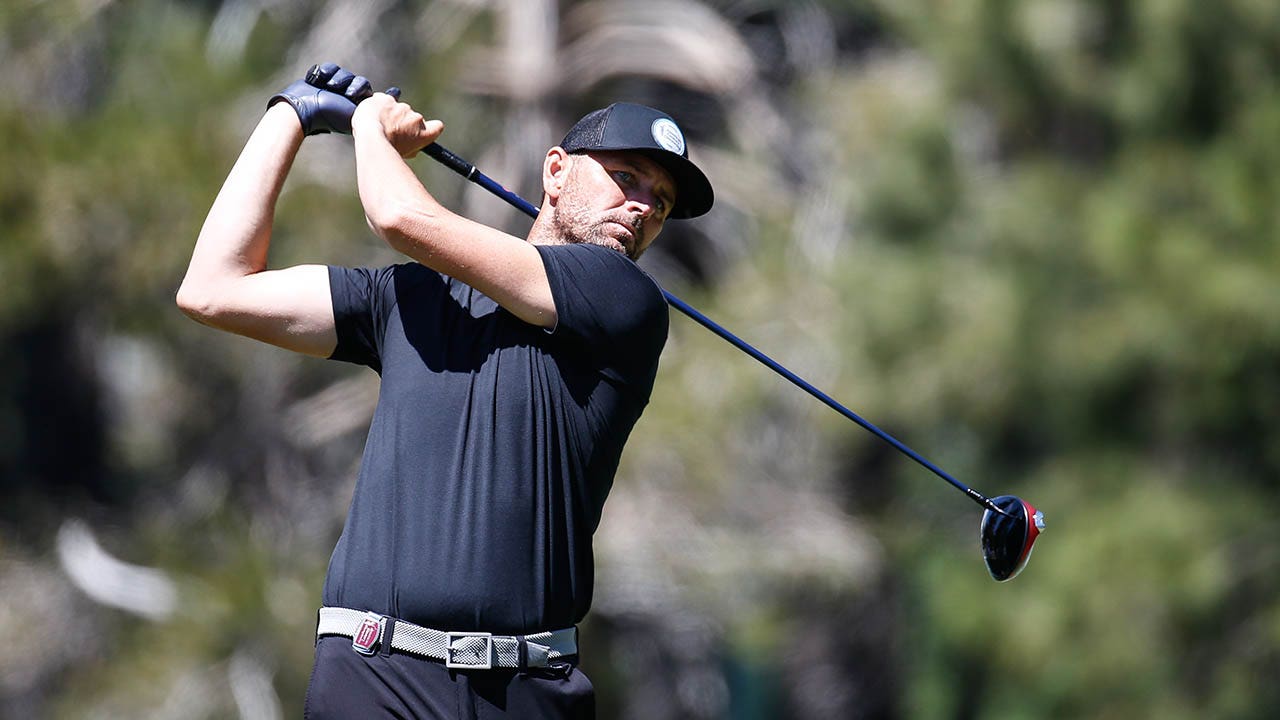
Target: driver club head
column 1007, row 540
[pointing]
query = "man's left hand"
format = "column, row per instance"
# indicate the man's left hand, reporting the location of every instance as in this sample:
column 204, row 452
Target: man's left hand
column 325, row 99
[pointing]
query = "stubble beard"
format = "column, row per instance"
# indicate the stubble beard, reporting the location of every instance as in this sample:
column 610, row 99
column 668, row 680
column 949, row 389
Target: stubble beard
column 573, row 223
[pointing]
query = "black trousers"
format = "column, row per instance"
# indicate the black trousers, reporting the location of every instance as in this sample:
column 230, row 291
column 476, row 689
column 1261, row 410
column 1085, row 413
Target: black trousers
column 345, row 684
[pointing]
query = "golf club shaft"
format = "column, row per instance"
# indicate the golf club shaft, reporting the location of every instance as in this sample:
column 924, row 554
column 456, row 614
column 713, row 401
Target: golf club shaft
column 470, row 172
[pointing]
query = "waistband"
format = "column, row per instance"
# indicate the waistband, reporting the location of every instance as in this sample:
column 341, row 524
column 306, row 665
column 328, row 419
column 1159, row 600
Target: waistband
column 370, row 632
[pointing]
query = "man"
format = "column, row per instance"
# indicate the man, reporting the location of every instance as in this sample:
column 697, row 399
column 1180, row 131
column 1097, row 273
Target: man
column 512, row 373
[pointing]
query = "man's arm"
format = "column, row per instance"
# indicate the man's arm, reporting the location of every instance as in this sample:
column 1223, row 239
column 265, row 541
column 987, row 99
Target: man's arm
column 401, row 211
column 228, row 285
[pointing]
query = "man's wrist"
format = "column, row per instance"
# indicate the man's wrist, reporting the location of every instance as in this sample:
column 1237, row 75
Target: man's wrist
column 364, row 120
column 282, row 115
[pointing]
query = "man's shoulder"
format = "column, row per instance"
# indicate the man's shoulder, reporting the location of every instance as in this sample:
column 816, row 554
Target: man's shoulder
column 601, row 295
column 383, row 288
column 596, row 262
column 397, row 276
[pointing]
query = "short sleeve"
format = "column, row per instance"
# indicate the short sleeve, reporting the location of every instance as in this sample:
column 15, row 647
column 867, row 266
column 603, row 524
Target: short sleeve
column 361, row 304
column 604, row 300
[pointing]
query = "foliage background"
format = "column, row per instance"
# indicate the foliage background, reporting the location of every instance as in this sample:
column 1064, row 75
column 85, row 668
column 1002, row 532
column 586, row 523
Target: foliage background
column 1034, row 240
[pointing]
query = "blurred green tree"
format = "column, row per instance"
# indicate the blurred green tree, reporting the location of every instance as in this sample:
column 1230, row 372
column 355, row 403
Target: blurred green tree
column 1034, row 240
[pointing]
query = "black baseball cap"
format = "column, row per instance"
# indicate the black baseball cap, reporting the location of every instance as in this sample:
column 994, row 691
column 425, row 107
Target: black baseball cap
column 627, row 126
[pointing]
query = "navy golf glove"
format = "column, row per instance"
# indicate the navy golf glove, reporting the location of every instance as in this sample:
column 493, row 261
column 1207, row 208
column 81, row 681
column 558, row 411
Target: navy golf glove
column 325, row 99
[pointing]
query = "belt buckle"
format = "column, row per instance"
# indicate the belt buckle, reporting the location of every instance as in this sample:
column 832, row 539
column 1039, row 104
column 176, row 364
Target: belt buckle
column 367, row 636
column 485, row 651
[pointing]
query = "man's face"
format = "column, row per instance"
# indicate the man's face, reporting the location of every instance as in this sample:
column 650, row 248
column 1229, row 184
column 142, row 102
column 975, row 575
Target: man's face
column 617, row 199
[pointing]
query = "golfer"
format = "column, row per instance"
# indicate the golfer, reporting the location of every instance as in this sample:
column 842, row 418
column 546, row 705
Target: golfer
column 512, row 372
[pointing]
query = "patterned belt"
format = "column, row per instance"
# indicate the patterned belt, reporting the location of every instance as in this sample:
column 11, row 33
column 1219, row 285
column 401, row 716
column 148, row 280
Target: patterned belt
column 463, row 650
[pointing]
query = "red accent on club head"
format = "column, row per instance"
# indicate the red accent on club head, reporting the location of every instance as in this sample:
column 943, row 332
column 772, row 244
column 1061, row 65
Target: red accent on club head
column 1033, row 532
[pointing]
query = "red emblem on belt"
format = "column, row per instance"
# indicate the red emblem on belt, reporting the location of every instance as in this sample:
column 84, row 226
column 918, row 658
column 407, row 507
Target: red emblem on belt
column 366, row 636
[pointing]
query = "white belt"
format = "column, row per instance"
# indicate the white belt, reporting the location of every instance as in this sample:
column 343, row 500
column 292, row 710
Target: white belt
column 463, row 650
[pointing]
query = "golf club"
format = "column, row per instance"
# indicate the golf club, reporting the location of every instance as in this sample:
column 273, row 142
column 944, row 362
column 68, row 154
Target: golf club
column 1009, row 526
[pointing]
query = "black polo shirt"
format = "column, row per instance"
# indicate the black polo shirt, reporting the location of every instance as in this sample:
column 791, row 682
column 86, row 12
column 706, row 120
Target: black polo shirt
column 494, row 442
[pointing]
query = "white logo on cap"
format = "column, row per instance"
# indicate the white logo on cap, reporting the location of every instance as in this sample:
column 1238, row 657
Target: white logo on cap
column 668, row 135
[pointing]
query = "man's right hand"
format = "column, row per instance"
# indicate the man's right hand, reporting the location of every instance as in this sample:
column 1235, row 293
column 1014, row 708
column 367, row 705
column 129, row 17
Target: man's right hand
column 402, row 126
column 325, row 99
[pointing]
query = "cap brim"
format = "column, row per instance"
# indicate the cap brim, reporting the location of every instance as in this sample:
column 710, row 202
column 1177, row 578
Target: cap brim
column 694, row 195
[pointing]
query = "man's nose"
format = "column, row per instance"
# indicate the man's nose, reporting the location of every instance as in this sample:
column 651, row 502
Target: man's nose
column 643, row 205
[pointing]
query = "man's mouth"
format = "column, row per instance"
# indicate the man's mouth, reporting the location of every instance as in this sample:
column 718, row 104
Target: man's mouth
column 631, row 237
column 630, row 230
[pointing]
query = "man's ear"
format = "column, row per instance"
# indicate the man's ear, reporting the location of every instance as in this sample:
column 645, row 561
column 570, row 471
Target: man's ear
column 555, row 171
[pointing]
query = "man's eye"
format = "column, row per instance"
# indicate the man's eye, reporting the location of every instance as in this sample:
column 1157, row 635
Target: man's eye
column 623, row 176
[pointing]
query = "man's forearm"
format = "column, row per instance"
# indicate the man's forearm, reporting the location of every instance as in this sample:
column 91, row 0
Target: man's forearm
column 237, row 231
column 389, row 189
column 410, row 220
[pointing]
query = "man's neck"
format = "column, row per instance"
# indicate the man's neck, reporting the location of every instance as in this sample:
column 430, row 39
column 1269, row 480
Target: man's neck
column 543, row 231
